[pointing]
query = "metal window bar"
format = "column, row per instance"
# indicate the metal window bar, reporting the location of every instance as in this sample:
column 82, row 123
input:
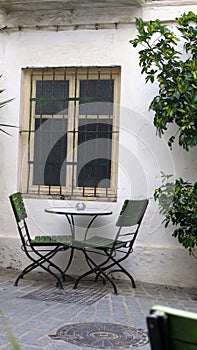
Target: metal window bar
column 53, row 111
column 41, row 106
column 87, row 79
column 97, row 135
column 64, row 107
column 110, row 98
column 29, row 138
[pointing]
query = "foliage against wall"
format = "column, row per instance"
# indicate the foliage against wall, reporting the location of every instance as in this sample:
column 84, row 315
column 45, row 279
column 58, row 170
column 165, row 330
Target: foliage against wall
column 175, row 70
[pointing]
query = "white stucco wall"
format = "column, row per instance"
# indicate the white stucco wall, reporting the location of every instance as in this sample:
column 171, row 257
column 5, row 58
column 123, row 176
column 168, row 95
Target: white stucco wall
column 157, row 257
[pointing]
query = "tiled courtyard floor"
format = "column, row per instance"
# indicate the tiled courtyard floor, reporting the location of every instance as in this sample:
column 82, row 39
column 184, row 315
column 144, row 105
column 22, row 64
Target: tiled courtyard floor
column 40, row 320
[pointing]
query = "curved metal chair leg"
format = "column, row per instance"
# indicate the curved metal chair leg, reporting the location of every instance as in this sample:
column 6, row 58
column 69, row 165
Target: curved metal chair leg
column 121, row 268
column 97, row 268
column 89, row 273
column 126, row 273
column 28, row 269
column 70, row 260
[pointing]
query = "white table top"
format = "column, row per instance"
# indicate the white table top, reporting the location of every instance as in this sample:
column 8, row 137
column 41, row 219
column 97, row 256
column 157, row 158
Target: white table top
column 75, row 211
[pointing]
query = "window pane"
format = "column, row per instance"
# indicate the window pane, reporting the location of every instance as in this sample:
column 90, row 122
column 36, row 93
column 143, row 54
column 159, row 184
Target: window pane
column 96, row 97
column 53, row 95
column 94, row 153
column 50, row 149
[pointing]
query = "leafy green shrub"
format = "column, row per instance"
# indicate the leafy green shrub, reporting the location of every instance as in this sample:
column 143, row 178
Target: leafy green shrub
column 176, row 103
column 178, row 202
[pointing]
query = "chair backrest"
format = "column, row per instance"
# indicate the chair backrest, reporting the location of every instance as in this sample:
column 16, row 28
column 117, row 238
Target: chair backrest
column 130, row 216
column 172, row 329
column 132, row 212
column 20, row 214
column 18, row 206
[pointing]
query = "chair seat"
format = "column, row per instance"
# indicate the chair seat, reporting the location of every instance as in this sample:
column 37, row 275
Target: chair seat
column 102, row 243
column 51, row 240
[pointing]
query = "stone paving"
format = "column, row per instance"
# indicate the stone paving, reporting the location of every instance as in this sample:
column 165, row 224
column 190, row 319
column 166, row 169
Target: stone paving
column 33, row 321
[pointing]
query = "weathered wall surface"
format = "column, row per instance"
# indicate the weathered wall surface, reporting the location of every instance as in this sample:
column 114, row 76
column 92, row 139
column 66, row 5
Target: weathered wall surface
column 142, row 155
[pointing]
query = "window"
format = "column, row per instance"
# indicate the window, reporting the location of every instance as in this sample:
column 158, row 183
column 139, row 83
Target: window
column 70, row 132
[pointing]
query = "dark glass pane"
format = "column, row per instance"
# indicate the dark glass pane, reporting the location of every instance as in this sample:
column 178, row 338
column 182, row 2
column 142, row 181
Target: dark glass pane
column 94, row 153
column 52, row 89
column 96, row 173
column 50, row 149
column 94, row 91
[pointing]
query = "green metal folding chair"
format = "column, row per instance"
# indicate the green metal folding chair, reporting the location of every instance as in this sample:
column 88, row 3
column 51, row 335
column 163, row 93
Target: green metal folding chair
column 41, row 249
column 116, row 250
column 172, row 329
